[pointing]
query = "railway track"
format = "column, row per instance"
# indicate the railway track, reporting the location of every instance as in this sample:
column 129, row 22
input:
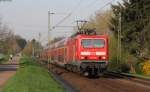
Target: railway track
column 107, row 83
column 129, row 77
column 64, row 83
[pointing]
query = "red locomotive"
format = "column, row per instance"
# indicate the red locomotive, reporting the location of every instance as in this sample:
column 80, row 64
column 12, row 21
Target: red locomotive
column 87, row 54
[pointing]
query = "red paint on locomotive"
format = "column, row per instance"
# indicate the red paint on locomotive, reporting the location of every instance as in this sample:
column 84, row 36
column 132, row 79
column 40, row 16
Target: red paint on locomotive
column 84, row 52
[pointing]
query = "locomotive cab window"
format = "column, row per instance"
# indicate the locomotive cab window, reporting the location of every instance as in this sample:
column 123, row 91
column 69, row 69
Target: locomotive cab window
column 93, row 43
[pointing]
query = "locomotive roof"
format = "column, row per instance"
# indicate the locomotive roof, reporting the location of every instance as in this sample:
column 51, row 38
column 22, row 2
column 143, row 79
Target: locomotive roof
column 64, row 41
column 80, row 36
column 59, row 43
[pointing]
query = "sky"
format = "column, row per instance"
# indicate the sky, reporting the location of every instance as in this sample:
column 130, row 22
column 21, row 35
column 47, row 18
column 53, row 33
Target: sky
column 29, row 18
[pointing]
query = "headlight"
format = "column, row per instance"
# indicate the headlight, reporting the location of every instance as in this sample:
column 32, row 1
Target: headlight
column 100, row 53
column 82, row 57
column 85, row 53
column 103, row 57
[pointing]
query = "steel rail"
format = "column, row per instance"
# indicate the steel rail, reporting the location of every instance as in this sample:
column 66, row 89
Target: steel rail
column 137, row 79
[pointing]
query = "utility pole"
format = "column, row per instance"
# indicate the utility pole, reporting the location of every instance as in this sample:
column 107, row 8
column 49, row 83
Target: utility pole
column 49, row 26
column 49, row 37
column 39, row 45
column 120, row 28
column 33, row 47
column 119, row 54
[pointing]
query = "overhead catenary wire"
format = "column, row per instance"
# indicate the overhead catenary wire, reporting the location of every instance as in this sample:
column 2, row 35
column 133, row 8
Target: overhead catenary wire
column 91, row 4
column 77, row 6
column 101, row 8
column 108, row 3
column 67, row 16
column 75, row 9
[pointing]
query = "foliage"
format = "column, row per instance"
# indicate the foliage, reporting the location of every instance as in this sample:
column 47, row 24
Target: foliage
column 10, row 43
column 100, row 22
column 125, row 68
column 32, row 47
column 28, row 49
column 146, row 68
column 135, row 18
column 21, row 42
column 2, row 57
column 126, row 58
column 135, row 25
column 32, row 78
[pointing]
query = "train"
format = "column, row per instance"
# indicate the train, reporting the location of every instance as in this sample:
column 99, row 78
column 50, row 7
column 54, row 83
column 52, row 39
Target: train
column 86, row 54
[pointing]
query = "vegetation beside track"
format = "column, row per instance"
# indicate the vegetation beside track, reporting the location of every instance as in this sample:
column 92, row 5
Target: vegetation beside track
column 3, row 58
column 30, row 77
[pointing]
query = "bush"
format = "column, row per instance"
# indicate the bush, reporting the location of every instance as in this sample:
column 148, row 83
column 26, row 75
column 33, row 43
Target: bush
column 125, row 68
column 121, row 65
column 3, row 58
column 138, row 68
column 146, row 68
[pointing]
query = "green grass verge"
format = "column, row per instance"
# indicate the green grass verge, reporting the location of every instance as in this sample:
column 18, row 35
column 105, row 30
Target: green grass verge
column 32, row 78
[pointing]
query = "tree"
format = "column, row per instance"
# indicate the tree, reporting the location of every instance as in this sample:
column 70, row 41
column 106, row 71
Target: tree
column 100, row 22
column 21, row 42
column 32, row 47
column 28, row 49
column 9, row 42
column 135, row 17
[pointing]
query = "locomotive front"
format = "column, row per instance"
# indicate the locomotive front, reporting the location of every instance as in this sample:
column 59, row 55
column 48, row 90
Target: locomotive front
column 93, row 54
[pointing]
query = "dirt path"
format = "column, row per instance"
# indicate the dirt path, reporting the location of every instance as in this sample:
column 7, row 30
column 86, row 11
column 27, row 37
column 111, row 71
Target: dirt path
column 8, row 70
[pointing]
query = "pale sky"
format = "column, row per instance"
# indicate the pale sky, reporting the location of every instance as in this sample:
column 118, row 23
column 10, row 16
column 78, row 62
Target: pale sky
column 28, row 18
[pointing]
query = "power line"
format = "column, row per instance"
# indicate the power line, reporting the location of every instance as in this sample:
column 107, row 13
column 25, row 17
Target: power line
column 66, row 17
column 107, row 4
column 75, row 8
column 63, row 26
column 61, row 21
column 96, row 1
column 92, row 3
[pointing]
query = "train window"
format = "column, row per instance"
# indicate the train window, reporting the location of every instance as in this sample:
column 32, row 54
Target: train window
column 93, row 43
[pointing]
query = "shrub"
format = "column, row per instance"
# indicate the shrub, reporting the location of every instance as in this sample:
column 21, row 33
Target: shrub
column 125, row 68
column 146, row 68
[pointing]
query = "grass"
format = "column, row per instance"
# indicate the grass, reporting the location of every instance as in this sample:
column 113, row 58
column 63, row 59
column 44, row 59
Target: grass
column 32, row 78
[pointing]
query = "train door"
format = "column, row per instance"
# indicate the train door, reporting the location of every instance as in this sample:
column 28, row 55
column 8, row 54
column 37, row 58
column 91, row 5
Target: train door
column 65, row 55
column 74, row 52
